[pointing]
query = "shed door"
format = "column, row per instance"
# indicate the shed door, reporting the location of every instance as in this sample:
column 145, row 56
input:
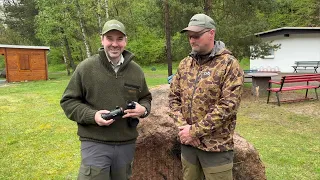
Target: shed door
column 24, row 62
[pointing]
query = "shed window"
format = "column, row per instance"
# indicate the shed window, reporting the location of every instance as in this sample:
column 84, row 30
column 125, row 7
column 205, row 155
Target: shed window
column 24, row 62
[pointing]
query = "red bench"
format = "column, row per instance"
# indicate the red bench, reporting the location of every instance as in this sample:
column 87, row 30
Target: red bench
column 285, row 80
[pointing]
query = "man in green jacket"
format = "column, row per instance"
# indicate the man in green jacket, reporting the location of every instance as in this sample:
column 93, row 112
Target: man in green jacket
column 100, row 84
column 204, row 98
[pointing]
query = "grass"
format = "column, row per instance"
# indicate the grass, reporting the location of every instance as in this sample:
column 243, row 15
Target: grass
column 287, row 137
column 245, row 63
column 38, row 142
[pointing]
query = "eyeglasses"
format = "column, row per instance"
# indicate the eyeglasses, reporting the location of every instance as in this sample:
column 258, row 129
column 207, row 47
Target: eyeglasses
column 197, row 36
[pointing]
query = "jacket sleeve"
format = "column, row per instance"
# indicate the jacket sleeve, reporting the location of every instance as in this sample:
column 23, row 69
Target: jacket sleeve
column 72, row 102
column 175, row 101
column 227, row 105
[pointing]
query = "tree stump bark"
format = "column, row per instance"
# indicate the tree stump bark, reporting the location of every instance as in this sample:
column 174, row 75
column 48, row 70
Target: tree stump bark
column 157, row 154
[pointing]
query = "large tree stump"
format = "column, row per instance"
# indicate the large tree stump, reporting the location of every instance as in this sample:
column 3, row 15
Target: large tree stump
column 157, row 154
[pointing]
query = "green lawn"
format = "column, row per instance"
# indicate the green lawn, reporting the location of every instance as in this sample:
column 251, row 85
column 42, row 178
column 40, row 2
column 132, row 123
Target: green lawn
column 38, row 142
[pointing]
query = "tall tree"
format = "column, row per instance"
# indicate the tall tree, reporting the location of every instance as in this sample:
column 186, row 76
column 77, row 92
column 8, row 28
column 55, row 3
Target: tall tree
column 208, row 7
column 19, row 16
column 82, row 28
column 168, row 36
column 293, row 13
column 106, row 8
column 55, row 25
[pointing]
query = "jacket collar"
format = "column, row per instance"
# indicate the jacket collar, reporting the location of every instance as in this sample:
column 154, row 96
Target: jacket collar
column 127, row 55
column 218, row 49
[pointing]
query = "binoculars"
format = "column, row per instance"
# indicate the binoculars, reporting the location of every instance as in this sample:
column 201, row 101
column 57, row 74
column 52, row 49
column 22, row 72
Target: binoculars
column 119, row 112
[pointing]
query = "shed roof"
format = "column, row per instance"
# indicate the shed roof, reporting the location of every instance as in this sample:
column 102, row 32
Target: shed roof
column 289, row 30
column 23, row 47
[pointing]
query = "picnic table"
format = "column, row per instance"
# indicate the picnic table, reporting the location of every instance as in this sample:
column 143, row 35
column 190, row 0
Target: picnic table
column 304, row 65
column 260, row 82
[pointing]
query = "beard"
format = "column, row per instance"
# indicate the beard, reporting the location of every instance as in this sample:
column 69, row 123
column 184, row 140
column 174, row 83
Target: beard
column 198, row 49
column 113, row 54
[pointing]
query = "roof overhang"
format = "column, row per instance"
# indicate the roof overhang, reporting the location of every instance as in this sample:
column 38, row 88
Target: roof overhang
column 24, row 47
column 288, row 31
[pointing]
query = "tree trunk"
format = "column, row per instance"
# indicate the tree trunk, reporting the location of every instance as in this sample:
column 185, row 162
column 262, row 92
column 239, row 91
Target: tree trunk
column 168, row 37
column 99, row 14
column 69, row 56
column 65, row 59
column 208, row 7
column 83, row 32
column 107, row 9
column 66, row 63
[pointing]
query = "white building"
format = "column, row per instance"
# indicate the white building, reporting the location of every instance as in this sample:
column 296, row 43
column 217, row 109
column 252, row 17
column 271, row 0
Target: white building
column 297, row 44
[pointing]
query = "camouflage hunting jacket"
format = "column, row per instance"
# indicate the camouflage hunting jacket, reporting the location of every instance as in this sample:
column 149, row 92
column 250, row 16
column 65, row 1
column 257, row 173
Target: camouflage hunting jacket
column 206, row 96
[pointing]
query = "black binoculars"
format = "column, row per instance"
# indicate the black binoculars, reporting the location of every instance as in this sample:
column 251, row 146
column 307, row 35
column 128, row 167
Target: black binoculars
column 119, row 112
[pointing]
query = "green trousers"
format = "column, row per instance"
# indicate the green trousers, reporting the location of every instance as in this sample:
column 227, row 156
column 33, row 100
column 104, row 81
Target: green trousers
column 198, row 164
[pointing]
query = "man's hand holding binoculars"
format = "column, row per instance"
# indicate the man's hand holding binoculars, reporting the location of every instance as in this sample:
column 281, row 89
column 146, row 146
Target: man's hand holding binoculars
column 135, row 113
column 100, row 121
column 134, row 110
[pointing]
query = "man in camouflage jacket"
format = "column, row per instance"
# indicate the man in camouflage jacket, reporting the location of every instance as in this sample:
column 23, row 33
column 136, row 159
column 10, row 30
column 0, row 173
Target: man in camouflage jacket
column 204, row 98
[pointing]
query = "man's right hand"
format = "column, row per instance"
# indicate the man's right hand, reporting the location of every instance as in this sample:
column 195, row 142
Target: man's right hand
column 100, row 121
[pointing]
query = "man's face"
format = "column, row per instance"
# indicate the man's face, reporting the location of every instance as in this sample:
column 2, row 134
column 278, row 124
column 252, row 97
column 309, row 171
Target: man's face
column 114, row 43
column 201, row 42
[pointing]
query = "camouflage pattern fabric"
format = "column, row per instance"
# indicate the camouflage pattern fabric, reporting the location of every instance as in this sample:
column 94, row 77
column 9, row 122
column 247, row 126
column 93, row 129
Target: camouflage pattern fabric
column 207, row 97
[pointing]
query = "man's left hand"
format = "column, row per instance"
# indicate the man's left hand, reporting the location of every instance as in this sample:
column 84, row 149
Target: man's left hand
column 135, row 113
column 186, row 138
column 184, row 134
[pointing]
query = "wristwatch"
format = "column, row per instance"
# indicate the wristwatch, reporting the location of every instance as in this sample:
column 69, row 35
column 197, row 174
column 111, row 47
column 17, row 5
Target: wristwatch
column 145, row 113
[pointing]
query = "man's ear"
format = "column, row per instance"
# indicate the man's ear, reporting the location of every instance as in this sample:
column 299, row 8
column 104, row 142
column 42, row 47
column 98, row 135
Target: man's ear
column 212, row 33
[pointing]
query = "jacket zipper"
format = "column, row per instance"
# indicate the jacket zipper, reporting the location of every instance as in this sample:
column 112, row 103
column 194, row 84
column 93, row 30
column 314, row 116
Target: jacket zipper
column 194, row 90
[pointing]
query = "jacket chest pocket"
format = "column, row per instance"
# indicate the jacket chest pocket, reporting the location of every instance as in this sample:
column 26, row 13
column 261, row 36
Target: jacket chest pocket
column 131, row 92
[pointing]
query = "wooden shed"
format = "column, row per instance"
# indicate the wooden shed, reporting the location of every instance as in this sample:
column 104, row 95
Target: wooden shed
column 25, row 63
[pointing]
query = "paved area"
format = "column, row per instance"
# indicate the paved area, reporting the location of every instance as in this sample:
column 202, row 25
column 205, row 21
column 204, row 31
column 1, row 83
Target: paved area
column 2, row 82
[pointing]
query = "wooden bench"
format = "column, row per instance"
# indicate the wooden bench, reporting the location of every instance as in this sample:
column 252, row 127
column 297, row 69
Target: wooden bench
column 304, row 65
column 287, row 80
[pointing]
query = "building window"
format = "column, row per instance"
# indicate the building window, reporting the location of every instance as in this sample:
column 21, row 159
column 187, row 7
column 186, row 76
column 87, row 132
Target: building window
column 24, row 62
column 271, row 54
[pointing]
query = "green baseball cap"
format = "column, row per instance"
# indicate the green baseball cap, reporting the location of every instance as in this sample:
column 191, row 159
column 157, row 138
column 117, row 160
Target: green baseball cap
column 113, row 25
column 200, row 22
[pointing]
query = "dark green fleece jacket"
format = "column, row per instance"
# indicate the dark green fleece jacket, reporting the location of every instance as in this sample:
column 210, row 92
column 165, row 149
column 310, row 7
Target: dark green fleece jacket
column 95, row 86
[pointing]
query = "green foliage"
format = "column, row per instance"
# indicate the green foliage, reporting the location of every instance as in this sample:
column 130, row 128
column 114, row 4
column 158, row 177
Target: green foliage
column 2, row 64
column 20, row 19
column 56, row 68
column 245, row 63
column 148, row 48
column 291, row 13
column 54, row 56
column 9, row 36
column 53, row 23
column 180, row 46
column 237, row 21
column 263, row 49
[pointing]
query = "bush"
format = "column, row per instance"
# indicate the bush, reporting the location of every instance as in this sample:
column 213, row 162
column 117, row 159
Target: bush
column 55, row 56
